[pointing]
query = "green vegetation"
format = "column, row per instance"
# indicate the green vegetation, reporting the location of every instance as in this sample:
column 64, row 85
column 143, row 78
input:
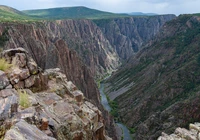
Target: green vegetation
column 163, row 74
column 23, row 98
column 132, row 130
column 3, row 38
column 114, row 107
column 72, row 13
column 198, row 59
column 4, row 65
column 8, row 14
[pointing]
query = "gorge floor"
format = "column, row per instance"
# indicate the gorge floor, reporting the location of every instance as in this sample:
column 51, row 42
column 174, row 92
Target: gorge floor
column 125, row 134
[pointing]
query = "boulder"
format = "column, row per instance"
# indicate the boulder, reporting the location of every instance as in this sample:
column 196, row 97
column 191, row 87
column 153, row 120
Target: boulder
column 78, row 95
column 183, row 134
column 24, row 74
column 29, row 82
column 4, row 82
column 8, row 54
column 40, row 83
column 32, row 66
column 19, row 85
column 20, row 60
column 14, row 76
column 8, row 99
column 22, row 130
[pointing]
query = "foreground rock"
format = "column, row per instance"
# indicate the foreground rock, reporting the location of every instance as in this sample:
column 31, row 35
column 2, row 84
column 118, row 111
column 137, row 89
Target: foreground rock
column 44, row 105
column 183, row 134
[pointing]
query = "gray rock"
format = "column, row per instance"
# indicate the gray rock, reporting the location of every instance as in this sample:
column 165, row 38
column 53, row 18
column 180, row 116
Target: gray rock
column 29, row 82
column 3, row 80
column 183, row 134
column 24, row 74
column 7, row 100
column 32, row 66
column 19, row 85
column 24, row 131
column 20, row 60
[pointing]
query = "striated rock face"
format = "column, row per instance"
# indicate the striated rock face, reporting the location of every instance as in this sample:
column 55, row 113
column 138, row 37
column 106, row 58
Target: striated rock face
column 90, row 43
column 183, row 134
column 128, row 35
column 99, row 43
column 158, row 89
column 51, row 107
column 50, row 51
column 48, row 43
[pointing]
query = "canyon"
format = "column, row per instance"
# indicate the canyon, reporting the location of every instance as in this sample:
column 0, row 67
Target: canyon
column 157, row 80
column 157, row 90
column 81, row 48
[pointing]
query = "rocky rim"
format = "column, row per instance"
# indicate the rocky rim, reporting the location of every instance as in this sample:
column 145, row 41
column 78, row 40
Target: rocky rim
column 56, row 108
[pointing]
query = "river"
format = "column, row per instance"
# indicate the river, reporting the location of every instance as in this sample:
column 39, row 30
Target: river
column 104, row 102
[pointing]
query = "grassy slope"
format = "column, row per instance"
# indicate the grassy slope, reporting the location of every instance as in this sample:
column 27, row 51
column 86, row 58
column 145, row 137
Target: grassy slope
column 10, row 14
column 72, row 13
column 163, row 74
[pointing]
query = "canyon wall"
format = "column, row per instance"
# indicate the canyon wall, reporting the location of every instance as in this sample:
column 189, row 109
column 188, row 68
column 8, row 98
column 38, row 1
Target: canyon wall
column 128, row 35
column 83, row 49
column 157, row 90
column 50, row 51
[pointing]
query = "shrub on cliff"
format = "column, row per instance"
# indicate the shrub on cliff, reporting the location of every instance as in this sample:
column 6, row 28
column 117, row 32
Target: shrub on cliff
column 23, row 98
column 4, row 65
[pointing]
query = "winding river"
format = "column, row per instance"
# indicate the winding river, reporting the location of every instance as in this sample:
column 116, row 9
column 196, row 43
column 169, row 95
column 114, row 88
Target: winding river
column 104, row 102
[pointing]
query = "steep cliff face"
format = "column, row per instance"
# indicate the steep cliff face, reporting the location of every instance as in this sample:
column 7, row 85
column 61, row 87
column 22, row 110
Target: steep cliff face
column 127, row 35
column 158, row 89
column 49, row 42
column 88, row 40
column 49, row 51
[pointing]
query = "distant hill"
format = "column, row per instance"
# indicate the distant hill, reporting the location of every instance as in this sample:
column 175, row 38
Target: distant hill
column 72, row 13
column 11, row 14
column 142, row 14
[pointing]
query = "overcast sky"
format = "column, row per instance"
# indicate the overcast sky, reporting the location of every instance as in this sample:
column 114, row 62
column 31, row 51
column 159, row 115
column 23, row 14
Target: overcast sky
column 118, row 6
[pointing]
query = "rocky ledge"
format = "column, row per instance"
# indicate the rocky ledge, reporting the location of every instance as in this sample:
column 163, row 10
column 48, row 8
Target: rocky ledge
column 36, row 104
column 183, row 134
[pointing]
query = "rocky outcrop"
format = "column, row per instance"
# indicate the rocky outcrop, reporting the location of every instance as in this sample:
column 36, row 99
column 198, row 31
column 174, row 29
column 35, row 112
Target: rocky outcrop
column 128, row 35
column 49, row 51
column 44, row 105
column 181, row 133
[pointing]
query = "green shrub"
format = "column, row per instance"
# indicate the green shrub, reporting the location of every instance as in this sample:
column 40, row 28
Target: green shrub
column 132, row 130
column 4, row 38
column 23, row 98
column 4, row 65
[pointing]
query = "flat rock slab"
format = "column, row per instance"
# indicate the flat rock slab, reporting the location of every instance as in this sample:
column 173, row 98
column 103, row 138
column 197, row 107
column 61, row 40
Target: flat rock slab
column 7, row 100
column 24, row 131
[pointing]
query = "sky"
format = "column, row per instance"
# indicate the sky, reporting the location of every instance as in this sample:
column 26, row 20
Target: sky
column 117, row 6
